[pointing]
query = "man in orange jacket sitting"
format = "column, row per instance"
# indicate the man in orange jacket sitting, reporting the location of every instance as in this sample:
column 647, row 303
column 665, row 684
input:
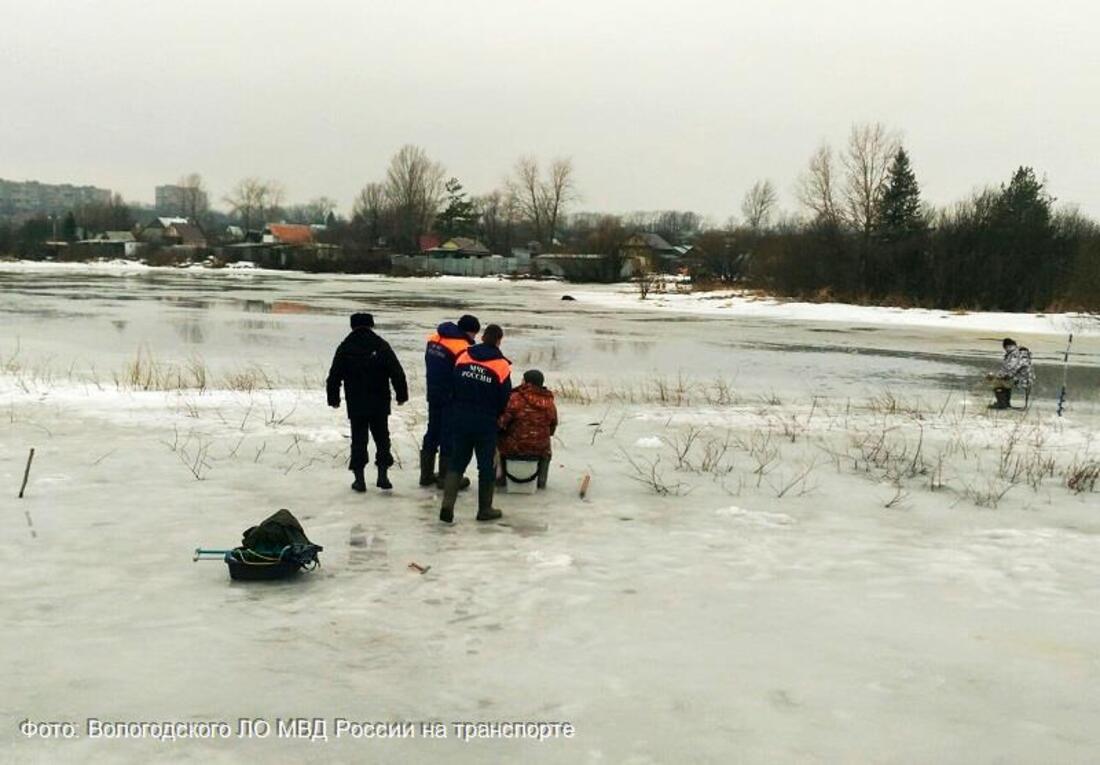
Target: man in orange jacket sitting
column 527, row 425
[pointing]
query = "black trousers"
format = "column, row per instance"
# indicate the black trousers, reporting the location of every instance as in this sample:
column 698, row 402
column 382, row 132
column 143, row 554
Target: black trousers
column 376, row 426
column 438, row 435
column 474, row 435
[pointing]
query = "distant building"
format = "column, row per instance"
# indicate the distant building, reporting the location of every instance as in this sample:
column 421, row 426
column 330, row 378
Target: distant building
column 288, row 233
column 18, row 198
column 179, row 200
column 459, row 247
column 652, row 247
column 429, row 241
column 113, row 244
column 173, row 231
column 584, row 267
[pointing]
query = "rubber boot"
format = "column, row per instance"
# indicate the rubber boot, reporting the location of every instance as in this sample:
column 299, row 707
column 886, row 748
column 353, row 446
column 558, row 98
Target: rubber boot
column 440, row 481
column 450, row 495
column 485, row 509
column 359, row 484
column 383, row 479
column 1003, row 398
column 544, row 472
column 427, row 468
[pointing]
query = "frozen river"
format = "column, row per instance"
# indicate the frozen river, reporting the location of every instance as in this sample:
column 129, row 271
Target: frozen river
column 793, row 562
column 291, row 322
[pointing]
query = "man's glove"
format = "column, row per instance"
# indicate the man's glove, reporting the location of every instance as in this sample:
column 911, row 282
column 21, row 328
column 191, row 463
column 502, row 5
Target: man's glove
column 334, row 402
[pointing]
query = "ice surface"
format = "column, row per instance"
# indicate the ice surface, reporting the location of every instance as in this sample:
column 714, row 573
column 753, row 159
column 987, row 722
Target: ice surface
column 841, row 557
column 742, row 304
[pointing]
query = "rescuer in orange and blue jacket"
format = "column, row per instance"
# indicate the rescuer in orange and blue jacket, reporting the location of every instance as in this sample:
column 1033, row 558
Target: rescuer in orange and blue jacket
column 444, row 347
column 482, row 384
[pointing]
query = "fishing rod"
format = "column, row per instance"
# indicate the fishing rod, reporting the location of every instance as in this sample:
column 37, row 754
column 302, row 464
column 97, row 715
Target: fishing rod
column 1065, row 376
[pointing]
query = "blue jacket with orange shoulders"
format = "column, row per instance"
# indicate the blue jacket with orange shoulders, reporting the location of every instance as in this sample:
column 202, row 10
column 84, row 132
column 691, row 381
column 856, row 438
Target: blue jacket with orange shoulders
column 443, row 349
column 482, row 382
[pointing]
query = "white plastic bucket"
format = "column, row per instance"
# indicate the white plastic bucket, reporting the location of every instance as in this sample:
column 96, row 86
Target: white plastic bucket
column 522, row 475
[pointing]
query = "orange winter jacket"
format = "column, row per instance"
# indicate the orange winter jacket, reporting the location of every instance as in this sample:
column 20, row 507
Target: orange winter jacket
column 528, row 422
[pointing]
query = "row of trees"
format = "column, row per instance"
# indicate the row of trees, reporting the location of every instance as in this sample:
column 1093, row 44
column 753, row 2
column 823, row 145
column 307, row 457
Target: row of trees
column 417, row 197
column 862, row 231
column 27, row 237
column 866, row 235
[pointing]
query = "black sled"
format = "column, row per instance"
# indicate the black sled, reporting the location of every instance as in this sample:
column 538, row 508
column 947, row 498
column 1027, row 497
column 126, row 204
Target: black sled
column 277, row 548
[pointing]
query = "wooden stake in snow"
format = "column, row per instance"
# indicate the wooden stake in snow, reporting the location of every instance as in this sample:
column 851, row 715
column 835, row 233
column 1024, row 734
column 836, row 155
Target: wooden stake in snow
column 26, row 473
column 584, row 484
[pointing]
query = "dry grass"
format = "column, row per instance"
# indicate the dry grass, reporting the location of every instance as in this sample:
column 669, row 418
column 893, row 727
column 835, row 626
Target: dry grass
column 678, row 392
column 914, row 446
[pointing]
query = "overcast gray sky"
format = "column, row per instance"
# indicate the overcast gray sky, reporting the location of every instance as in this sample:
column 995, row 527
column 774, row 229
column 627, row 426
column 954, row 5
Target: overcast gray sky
column 674, row 104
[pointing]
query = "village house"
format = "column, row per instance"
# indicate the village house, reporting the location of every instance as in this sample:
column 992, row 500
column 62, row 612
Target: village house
column 288, row 234
column 173, row 232
column 458, row 256
column 652, row 250
column 459, row 247
column 584, row 266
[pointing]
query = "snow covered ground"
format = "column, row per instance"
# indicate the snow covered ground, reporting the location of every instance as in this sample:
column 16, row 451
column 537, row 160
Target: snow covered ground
column 803, row 541
column 742, row 304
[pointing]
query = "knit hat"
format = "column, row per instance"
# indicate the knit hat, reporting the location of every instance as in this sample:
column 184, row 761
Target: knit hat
column 534, row 377
column 361, row 320
column 469, row 324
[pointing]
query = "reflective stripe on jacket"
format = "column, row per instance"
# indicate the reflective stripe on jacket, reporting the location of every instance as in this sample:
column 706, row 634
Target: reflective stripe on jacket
column 443, row 348
column 482, row 381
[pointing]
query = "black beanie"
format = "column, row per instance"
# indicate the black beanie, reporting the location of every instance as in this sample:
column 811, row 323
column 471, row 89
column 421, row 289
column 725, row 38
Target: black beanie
column 469, row 323
column 361, row 320
column 534, row 377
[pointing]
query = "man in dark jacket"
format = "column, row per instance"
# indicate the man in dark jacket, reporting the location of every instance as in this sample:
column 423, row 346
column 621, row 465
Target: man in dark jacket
column 482, row 383
column 443, row 348
column 367, row 367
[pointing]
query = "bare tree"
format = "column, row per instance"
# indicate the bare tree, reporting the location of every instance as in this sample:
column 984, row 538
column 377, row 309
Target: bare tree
column 414, row 190
column 677, row 226
column 817, row 187
column 112, row 215
column 497, row 219
column 543, row 201
column 558, row 191
column 194, row 197
column 871, row 147
column 318, row 209
column 253, row 200
column 371, row 210
column 759, row 204
column 246, row 200
column 273, row 199
column 526, row 188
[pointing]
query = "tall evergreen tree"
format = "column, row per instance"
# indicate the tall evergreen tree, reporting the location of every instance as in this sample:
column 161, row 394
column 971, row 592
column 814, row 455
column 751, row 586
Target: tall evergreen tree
column 899, row 210
column 459, row 217
column 68, row 227
column 1023, row 266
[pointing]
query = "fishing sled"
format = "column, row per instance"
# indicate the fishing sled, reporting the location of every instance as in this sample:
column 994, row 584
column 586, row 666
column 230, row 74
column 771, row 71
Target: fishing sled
column 277, row 548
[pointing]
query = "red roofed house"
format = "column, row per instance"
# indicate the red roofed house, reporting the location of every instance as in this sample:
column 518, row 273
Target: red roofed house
column 287, row 233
